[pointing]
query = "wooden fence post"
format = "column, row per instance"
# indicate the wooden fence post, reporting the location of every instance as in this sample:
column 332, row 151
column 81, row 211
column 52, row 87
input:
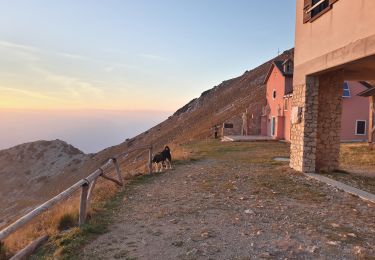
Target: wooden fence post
column 150, row 160
column 118, row 172
column 26, row 252
column 91, row 190
column 83, row 204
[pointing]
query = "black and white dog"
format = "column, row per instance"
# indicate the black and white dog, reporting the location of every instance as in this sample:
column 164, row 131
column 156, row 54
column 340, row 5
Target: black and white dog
column 162, row 158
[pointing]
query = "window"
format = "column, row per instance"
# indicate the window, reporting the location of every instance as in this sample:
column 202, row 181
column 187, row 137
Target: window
column 320, row 7
column 312, row 9
column 346, row 90
column 360, row 127
column 274, row 94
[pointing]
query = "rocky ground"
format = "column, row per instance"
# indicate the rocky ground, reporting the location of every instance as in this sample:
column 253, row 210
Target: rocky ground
column 232, row 201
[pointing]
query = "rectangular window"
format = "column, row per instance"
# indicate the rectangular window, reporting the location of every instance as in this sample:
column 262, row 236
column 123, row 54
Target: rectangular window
column 312, row 9
column 360, row 127
column 346, row 90
column 320, row 6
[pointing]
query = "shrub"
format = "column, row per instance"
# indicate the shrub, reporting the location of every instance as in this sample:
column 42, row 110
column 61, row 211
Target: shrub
column 67, row 221
column 3, row 251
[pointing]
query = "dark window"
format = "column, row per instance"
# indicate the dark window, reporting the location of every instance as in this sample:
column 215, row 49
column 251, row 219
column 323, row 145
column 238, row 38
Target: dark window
column 320, row 8
column 274, row 94
column 312, row 9
column 228, row 125
column 346, row 90
column 361, row 127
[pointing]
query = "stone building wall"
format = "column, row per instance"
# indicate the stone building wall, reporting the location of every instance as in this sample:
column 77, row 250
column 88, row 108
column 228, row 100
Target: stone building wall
column 303, row 134
column 329, row 122
column 315, row 141
column 237, row 125
column 254, row 112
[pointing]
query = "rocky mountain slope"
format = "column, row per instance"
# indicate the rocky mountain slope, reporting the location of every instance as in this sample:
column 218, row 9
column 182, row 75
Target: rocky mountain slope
column 32, row 173
column 195, row 120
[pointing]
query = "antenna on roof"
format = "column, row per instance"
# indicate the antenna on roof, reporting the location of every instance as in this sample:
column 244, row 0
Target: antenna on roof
column 278, row 51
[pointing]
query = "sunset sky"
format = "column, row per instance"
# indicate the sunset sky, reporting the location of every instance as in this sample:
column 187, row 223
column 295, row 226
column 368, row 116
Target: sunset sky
column 131, row 55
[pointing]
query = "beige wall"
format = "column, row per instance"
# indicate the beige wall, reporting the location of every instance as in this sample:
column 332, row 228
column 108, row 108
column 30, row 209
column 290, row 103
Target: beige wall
column 343, row 34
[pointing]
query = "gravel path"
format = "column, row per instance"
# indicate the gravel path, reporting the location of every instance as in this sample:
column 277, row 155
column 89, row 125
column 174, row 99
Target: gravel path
column 220, row 208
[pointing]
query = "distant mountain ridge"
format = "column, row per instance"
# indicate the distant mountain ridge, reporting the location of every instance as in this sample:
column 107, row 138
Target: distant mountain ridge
column 34, row 171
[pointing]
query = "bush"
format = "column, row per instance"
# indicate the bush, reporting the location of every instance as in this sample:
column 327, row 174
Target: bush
column 67, row 221
column 3, row 251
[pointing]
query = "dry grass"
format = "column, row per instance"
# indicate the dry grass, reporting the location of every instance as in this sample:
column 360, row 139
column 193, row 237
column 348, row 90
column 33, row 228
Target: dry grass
column 357, row 166
column 247, row 152
column 357, row 156
column 49, row 222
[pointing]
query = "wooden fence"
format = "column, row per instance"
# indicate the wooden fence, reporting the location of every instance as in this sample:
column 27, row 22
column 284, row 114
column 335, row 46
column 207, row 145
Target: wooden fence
column 86, row 185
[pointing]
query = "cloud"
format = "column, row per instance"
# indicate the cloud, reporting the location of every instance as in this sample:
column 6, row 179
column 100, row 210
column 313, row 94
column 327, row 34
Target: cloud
column 72, row 56
column 19, row 47
column 37, row 52
column 27, row 52
column 152, row 57
column 76, row 87
column 27, row 93
column 109, row 69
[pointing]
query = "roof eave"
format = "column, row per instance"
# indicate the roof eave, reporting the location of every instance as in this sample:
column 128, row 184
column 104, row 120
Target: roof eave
column 367, row 93
column 269, row 73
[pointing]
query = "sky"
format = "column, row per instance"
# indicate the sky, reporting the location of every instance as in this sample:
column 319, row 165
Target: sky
column 142, row 56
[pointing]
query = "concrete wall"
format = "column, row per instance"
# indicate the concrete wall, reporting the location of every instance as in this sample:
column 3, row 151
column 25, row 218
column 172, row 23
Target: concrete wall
column 354, row 108
column 343, row 34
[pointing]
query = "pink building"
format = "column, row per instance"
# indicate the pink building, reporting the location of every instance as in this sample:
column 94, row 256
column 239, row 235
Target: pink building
column 276, row 114
column 276, row 121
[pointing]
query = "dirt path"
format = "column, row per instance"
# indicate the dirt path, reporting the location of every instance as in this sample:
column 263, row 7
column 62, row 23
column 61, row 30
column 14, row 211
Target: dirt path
column 221, row 208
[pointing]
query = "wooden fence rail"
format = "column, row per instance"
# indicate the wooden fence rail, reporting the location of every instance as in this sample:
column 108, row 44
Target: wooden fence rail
column 86, row 185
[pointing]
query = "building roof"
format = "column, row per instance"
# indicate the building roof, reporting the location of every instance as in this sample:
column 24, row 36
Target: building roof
column 279, row 65
column 288, row 92
column 370, row 91
column 367, row 93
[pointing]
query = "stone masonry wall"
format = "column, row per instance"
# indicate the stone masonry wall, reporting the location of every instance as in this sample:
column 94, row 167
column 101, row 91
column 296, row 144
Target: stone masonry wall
column 315, row 142
column 237, row 126
column 329, row 122
column 303, row 134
